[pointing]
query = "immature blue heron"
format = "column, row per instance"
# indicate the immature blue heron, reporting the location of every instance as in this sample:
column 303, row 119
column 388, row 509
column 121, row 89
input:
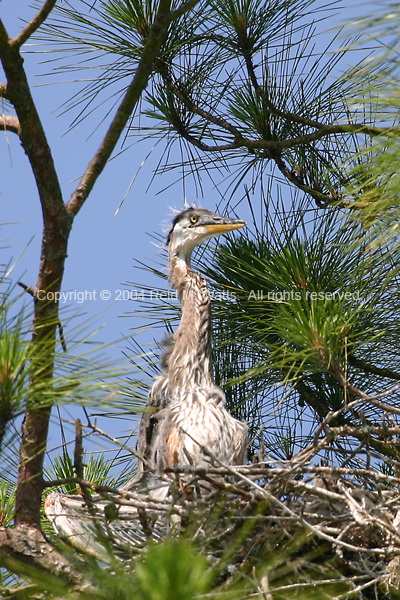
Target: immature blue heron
column 186, row 411
column 193, row 412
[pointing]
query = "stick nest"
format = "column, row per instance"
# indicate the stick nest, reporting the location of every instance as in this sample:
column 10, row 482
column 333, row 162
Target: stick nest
column 291, row 524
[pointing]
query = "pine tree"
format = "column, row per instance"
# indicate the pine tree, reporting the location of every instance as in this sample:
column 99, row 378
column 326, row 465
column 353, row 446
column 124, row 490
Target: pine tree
column 305, row 303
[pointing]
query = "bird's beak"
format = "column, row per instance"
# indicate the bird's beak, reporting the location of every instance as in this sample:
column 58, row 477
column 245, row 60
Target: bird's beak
column 224, row 226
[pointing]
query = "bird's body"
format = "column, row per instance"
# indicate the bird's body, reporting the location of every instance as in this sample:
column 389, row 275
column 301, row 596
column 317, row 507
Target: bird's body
column 191, row 411
column 185, row 421
column 195, row 427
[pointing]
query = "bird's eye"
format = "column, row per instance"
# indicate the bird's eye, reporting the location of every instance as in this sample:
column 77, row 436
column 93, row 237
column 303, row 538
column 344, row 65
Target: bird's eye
column 194, row 219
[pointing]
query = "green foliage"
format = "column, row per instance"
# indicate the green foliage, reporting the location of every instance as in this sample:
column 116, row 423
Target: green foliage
column 96, row 469
column 372, row 181
column 226, row 70
column 172, row 571
column 307, row 297
column 15, row 354
column 7, row 503
column 14, row 360
column 299, row 307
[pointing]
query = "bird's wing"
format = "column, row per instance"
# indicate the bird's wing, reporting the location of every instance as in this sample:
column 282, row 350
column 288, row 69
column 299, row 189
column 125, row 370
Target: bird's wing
column 151, row 418
column 157, row 400
column 146, row 433
column 240, row 440
column 95, row 533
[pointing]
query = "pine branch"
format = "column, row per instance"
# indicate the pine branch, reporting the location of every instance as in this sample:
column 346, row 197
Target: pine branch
column 324, row 131
column 195, row 109
column 336, row 419
column 34, row 24
column 322, row 200
column 239, row 140
column 273, row 148
column 183, row 9
column 336, row 371
column 367, row 368
column 321, row 127
column 288, row 116
column 157, row 36
column 198, row 143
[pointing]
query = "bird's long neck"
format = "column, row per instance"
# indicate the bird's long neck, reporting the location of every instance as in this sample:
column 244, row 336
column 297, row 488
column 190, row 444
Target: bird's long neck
column 189, row 364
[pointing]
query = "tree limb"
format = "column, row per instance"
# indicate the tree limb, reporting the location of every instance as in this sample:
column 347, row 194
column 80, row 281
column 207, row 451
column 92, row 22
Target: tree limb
column 57, row 225
column 182, row 9
column 157, row 36
column 337, row 373
column 198, row 143
column 320, row 198
column 10, row 123
column 33, row 138
column 27, row 547
column 324, row 131
column 34, row 24
column 337, row 419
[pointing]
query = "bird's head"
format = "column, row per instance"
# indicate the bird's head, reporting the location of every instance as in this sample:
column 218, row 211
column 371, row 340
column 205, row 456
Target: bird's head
column 194, row 226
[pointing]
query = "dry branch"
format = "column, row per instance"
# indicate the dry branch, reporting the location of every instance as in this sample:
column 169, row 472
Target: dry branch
column 10, row 123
